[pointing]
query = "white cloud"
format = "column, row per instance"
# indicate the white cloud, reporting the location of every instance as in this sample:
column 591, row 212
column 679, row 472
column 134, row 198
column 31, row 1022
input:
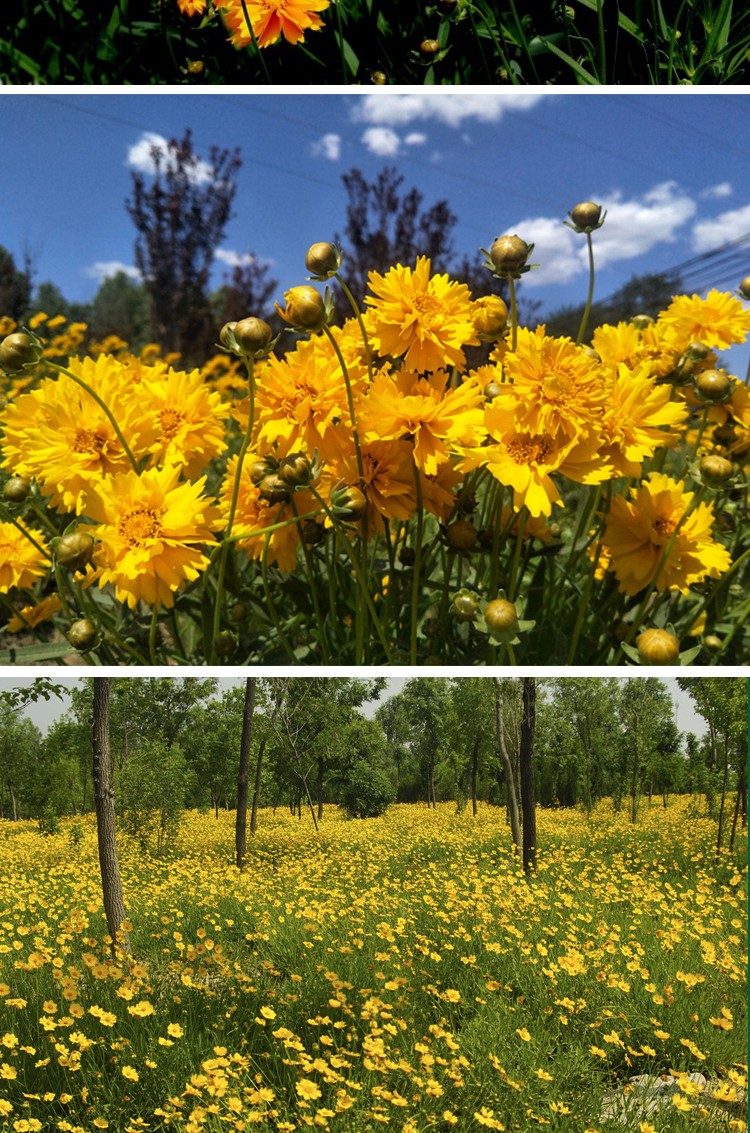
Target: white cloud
column 722, row 229
column 105, row 270
column 415, row 139
column 384, row 108
column 382, row 141
column 234, row 259
column 717, row 192
column 329, row 146
column 631, row 229
column 141, row 158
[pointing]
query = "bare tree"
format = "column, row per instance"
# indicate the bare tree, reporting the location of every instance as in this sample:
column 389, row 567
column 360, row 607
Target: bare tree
column 180, row 217
column 104, row 803
column 244, row 771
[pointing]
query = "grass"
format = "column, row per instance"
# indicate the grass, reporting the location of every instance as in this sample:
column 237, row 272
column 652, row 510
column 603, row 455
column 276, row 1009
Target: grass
column 399, row 971
column 587, row 42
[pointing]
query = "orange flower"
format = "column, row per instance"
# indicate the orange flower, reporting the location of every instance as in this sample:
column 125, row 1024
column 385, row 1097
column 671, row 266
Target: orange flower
column 192, row 7
column 270, row 19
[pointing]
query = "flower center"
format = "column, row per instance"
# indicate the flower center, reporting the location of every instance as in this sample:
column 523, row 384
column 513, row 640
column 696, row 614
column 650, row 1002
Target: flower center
column 524, row 449
column 139, row 525
column 88, row 440
column 170, row 421
column 426, row 304
column 556, row 386
column 663, row 527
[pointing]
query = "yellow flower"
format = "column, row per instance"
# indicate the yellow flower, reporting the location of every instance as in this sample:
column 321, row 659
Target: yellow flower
column 21, row 563
column 175, row 1030
column 307, row 1089
column 254, row 514
column 523, row 1034
column 718, row 320
column 426, row 319
column 679, row 1101
column 142, row 1009
column 425, row 409
column 638, row 532
column 636, row 418
column 184, row 419
column 31, row 616
column 151, row 531
column 130, row 1073
column 270, row 19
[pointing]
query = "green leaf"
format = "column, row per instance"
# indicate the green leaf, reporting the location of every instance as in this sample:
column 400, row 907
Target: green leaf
column 33, row 654
column 622, row 20
column 579, row 71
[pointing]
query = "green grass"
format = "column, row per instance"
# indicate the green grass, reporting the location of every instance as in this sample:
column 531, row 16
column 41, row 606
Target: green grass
column 587, row 42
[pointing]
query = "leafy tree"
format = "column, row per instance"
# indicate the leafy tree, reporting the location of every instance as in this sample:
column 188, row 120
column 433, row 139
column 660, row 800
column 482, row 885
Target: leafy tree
column 152, row 788
column 473, row 718
column 643, row 706
column 248, row 290
column 368, row 791
column 528, row 785
column 49, row 298
column 15, row 287
column 121, row 307
column 641, row 295
column 426, row 719
column 587, row 704
column 180, row 217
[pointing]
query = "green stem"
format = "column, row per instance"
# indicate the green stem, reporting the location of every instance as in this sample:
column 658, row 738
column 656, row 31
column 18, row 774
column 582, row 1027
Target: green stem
column 258, row 51
column 590, row 296
column 313, row 592
column 152, row 635
column 513, row 312
column 102, row 405
column 272, row 604
column 522, row 519
column 416, row 568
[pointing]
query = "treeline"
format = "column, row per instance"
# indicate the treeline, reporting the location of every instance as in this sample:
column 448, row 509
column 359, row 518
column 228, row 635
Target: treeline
column 313, row 743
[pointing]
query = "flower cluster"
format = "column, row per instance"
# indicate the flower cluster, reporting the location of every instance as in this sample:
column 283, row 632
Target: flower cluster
column 388, row 447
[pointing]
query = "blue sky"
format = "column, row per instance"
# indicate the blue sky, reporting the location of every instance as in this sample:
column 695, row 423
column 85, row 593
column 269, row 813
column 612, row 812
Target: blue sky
column 672, row 168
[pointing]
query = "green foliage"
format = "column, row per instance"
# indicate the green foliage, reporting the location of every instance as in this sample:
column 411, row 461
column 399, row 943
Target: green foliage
column 368, row 791
column 656, row 42
column 152, row 787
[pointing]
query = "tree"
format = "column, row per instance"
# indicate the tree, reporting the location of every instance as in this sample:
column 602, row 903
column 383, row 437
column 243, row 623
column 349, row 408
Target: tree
column 104, row 802
column 501, row 690
column 643, row 706
column 473, row 708
column 121, row 307
column 642, row 295
column 247, row 291
column 528, row 788
column 15, row 287
column 180, row 218
column 243, row 771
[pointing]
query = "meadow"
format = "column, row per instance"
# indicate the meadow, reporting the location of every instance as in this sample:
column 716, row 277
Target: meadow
column 396, row 972
column 659, row 42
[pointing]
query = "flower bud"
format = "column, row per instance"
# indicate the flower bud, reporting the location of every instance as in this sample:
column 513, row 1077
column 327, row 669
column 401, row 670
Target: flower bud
column 461, row 535
column 273, row 489
column 501, row 617
column 697, row 351
column 19, row 351
column 323, row 259
column 226, row 643
column 226, row 336
column 745, row 287
column 429, row 47
column 714, row 385
column 713, row 643
column 491, row 390
column 715, row 470
column 305, row 308
column 509, row 254
column 378, row 78
column 348, row 504
column 489, row 315
column 258, row 469
column 82, row 634
column 312, row 532
column 586, row 216
column 74, row 551
column 658, row 647
column 252, row 335
column 196, row 67
column 725, row 434
column 464, row 606
column 238, row 613
column 295, row 470
column 640, row 322
column 16, row 489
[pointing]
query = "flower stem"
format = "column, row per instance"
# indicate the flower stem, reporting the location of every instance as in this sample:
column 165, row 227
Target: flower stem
column 590, row 297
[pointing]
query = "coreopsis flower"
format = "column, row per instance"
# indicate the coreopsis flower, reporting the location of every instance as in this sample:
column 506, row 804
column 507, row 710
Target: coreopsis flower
column 35, row 614
column 638, row 531
column 631, row 344
column 21, row 563
column 299, row 400
column 151, row 533
column 556, row 386
column 271, row 19
column 192, row 7
column 718, row 320
column 525, row 460
column 60, row 436
column 183, row 420
column 388, row 480
column 435, row 416
column 427, row 319
column 637, row 416
column 254, row 514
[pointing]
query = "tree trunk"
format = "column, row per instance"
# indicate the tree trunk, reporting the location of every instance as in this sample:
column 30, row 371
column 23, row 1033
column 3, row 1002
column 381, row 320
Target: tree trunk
column 528, row 785
column 724, row 780
column 735, row 816
column 13, row 802
column 474, row 775
column 510, row 783
column 256, row 786
column 319, row 787
column 244, row 771
column 104, row 802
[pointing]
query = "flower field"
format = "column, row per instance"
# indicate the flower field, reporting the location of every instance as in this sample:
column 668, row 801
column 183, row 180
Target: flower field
column 375, row 496
column 394, row 972
column 374, row 42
